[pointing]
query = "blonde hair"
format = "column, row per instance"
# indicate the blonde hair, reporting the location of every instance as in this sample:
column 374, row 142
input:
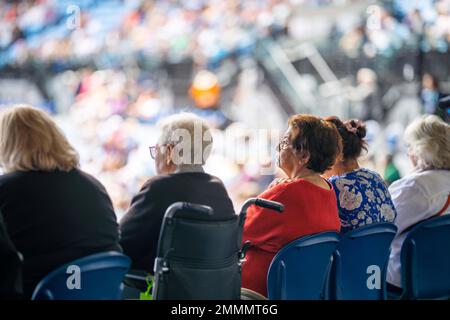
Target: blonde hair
column 428, row 139
column 30, row 140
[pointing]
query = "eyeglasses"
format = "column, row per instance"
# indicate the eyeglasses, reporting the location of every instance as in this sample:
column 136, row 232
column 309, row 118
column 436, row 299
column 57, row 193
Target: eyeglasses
column 154, row 148
column 283, row 144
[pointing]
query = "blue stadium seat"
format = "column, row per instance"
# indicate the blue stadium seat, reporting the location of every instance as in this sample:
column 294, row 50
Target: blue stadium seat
column 425, row 259
column 360, row 263
column 101, row 278
column 300, row 269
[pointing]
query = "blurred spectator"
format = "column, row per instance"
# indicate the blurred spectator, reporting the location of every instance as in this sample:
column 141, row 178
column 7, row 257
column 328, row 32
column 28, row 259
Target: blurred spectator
column 371, row 99
column 430, row 93
column 366, row 96
column 391, row 172
column 205, row 90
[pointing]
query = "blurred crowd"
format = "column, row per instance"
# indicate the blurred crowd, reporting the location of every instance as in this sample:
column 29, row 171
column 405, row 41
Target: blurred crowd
column 113, row 120
column 390, row 26
column 109, row 103
column 65, row 31
column 68, row 31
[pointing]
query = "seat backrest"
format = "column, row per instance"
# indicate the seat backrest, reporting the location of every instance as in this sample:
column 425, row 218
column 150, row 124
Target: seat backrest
column 300, row 269
column 95, row 277
column 198, row 258
column 425, row 260
column 360, row 263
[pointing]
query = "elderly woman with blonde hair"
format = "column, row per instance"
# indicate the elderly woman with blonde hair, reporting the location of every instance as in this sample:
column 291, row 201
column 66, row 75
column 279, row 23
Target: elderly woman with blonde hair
column 53, row 211
column 425, row 192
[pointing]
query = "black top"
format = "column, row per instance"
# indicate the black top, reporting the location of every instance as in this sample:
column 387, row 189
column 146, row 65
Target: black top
column 10, row 272
column 56, row 217
column 141, row 225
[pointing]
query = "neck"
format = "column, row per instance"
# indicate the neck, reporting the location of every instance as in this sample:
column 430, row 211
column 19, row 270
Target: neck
column 302, row 173
column 189, row 168
column 345, row 167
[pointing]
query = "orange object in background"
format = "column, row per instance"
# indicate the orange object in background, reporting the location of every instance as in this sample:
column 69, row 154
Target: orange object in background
column 205, row 90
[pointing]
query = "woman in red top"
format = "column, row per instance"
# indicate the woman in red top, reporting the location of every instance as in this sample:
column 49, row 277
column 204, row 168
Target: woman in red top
column 308, row 148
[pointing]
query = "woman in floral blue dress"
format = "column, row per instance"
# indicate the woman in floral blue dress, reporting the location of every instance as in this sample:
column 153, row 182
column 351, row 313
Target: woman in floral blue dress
column 362, row 195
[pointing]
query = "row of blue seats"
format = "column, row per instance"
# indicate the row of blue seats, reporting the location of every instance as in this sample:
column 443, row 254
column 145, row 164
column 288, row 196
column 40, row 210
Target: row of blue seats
column 320, row 266
column 354, row 266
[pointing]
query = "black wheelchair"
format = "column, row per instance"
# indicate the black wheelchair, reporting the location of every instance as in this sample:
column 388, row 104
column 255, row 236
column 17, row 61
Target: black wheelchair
column 198, row 259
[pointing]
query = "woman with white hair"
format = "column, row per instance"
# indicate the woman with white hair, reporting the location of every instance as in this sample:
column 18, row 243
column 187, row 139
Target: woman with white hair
column 53, row 211
column 425, row 192
column 182, row 149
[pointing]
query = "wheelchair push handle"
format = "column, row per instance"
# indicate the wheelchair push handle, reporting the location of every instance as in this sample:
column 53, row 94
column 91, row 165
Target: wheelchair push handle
column 268, row 204
column 187, row 206
column 272, row 205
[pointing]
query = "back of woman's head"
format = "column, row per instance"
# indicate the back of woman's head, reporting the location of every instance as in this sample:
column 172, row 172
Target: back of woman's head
column 316, row 137
column 352, row 133
column 30, row 140
column 190, row 134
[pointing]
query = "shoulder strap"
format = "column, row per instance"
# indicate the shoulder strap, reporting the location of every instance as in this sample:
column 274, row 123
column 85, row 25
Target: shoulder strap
column 443, row 208
column 447, row 203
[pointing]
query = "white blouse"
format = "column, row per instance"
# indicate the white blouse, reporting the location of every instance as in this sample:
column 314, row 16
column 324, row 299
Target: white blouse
column 416, row 197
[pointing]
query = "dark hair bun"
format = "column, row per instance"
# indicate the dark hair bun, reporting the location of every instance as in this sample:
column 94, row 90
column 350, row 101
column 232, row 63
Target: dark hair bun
column 361, row 133
column 360, row 128
column 352, row 133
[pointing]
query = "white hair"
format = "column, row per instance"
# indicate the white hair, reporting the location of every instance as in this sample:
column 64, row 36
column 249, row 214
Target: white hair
column 428, row 139
column 190, row 135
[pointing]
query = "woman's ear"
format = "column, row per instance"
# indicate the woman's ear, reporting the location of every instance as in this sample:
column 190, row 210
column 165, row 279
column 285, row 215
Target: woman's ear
column 304, row 158
column 169, row 153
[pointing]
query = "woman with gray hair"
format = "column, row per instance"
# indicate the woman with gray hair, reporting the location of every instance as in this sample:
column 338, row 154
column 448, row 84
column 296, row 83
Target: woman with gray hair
column 424, row 193
column 182, row 149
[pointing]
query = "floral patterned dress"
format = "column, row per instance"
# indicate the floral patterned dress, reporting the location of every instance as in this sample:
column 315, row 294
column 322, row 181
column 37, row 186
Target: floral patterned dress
column 362, row 198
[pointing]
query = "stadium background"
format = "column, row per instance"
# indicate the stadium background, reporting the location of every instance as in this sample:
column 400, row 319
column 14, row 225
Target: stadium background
column 109, row 70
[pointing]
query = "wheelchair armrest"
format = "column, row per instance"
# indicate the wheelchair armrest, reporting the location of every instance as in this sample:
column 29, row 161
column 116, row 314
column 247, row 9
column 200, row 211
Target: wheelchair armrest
column 136, row 279
column 244, row 249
